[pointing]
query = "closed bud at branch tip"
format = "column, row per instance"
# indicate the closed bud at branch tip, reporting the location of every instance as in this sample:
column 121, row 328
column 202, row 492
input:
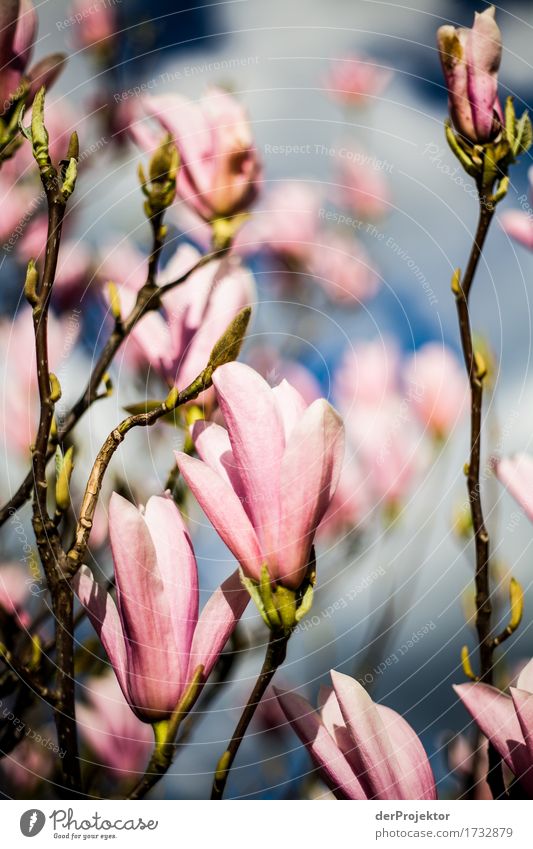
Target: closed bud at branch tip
column 114, row 301
column 69, row 183
column 467, row 666
column 39, row 134
column 516, row 598
column 30, row 284
column 55, row 388
column 64, row 468
column 456, row 282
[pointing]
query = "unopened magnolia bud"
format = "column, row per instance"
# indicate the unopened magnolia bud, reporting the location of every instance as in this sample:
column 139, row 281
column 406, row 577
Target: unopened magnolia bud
column 64, row 467
column 55, row 388
column 114, row 301
column 467, row 666
column 39, row 134
column 516, row 599
column 69, row 183
column 456, row 282
column 30, row 284
column 164, row 162
column 73, row 151
column 172, row 398
column 228, row 347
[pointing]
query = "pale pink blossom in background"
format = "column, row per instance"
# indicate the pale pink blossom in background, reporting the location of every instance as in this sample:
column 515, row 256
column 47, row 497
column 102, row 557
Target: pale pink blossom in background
column 266, row 480
column 153, row 635
column 341, row 266
column 368, row 374
column 14, row 583
column 95, row 22
column 462, row 760
column 518, row 223
column 19, row 398
column 110, row 728
column 363, row 186
column 28, row 764
column 438, row 388
column 350, row 507
column 516, row 473
column 470, row 59
column 363, row 750
column 287, row 224
column 219, row 172
column 353, row 80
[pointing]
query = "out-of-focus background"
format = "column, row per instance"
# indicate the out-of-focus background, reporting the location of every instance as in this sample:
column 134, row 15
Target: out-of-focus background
column 391, row 602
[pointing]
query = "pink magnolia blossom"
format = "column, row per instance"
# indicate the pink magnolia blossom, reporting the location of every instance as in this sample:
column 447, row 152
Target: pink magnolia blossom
column 343, row 269
column 275, row 368
column 287, row 225
column 27, row 765
column 18, row 33
column 381, row 426
column 363, row 750
column 363, row 187
column 14, row 593
column 355, row 79
column 178, row 341
column 153, row 635
column 350, row 507
column 516, row 473
column 219, row 167
column 265, row 482
column 107, row 724
column 438, row 388
column 470, row 61
column 18, row 373
column 507, row 721
column 97, row 22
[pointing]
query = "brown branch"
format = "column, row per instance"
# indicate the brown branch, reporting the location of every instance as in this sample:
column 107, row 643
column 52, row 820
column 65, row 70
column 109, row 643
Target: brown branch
column 275, row 655
column 481, row 537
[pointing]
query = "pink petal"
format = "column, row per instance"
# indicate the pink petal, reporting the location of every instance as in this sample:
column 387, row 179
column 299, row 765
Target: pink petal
column 484, row 52
column 523, row 703
column 216, row 623
column 177, row 566
column 525, row 679
column 516, row 473
column 495, row 714
column 325, row 753
column 104, row 617
column 309, row 475
column 291, row 406
column 256, row 434
column 214, row 448
column 373, row 751
column 417, row 777
column 225, row 511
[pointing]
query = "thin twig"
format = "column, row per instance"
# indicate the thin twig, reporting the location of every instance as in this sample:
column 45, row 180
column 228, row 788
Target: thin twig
column 275, row 655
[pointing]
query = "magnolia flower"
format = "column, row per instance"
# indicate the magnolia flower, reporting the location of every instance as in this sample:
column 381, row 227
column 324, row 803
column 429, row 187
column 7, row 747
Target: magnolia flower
column 18, row 376
column 153, row 635
column 97, row 23
column 363, row 186
column 353, row 80
column 266, row 481
column 18, row 32
column 438, row 388
column 507, row 721
column 344, row 270
column 219, row 168
column 28, row 764
column 121, row 741
column 363, row 750
column 14, row 593
column 177, row 342
column 516, row 473
column 470, row 61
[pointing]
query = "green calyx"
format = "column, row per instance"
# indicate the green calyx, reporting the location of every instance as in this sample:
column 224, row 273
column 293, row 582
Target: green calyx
column 280, row 607
column 488, row 163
